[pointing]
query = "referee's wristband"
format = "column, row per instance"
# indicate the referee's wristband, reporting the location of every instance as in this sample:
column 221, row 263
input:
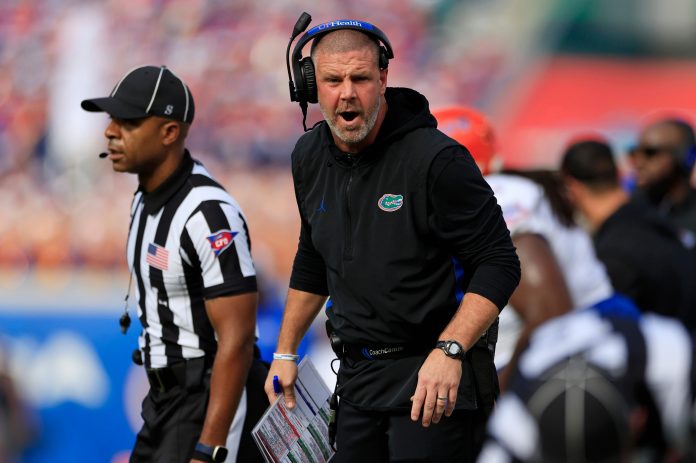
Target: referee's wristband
column 291, row 357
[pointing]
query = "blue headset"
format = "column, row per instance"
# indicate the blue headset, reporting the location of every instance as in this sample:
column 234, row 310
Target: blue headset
column 303, row 88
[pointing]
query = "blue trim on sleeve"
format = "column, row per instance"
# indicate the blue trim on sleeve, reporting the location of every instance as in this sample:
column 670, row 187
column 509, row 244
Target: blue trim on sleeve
column 618, row 306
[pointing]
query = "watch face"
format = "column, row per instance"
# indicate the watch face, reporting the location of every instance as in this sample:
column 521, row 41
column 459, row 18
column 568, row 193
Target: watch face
column 219, row 454
column 454, row 349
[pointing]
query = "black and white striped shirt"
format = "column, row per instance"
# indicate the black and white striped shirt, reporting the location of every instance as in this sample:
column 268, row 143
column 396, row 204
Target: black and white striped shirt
column 188, row 241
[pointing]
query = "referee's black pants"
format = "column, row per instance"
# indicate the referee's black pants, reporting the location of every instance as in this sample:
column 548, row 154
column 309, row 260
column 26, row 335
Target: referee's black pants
column 172, row 424
column 391, row 437
column 173, row 420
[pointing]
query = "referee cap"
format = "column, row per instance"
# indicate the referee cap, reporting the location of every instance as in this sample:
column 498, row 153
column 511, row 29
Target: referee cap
column 146, row 91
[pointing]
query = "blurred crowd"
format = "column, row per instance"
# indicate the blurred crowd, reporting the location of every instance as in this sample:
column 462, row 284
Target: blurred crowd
column 61, row 207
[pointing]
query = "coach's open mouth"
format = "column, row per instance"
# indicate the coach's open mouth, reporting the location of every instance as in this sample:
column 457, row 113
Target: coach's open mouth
column 349, row 115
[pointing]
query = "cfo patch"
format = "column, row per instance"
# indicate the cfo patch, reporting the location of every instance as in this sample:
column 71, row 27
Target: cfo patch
column 390, row 202
column 221, row 240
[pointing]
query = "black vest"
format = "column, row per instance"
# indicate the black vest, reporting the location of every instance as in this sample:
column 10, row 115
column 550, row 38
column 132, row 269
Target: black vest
column 390, row 282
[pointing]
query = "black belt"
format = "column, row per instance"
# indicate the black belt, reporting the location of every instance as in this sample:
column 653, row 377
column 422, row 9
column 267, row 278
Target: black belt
column 358, row 352
column 388, row 352
column 184, row 373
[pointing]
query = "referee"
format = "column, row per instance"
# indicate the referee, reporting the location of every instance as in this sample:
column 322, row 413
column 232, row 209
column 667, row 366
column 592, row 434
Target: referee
column 189, row 254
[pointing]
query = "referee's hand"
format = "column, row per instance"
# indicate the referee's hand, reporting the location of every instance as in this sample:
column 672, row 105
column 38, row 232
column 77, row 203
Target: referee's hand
column 286, row 371
column 436, row 391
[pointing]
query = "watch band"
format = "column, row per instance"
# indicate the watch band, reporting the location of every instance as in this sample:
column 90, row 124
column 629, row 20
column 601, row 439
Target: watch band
column 216, row 454
column 452, row 349
column 202, row 456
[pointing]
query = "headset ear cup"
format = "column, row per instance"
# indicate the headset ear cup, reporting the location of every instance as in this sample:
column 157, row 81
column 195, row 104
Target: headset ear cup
column 383, row 58
column 309, row 80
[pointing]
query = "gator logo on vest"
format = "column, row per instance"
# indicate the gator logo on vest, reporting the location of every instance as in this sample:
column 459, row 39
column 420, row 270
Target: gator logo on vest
column 390, row 202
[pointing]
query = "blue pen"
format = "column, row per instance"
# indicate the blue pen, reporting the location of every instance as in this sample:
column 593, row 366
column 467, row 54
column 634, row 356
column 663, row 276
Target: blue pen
column 276, row 385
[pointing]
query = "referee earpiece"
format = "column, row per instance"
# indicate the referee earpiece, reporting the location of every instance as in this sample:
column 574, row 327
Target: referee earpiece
column 303, row 88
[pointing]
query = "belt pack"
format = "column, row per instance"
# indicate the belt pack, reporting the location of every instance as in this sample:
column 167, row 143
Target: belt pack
column 187, row 374
column 489, row 338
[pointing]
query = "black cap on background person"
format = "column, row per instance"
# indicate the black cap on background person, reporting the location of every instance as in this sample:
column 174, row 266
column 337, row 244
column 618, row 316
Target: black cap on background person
column 147, row 91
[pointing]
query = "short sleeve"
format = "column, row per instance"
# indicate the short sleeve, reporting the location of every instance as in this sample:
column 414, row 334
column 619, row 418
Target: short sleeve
column 522, row 202
column 215, row 242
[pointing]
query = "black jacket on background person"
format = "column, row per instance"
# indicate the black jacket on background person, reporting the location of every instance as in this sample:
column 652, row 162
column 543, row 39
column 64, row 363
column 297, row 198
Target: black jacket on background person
column 646, row 261
column 395, row 235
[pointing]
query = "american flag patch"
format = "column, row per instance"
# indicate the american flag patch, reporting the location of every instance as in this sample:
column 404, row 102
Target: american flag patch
column 157, row 256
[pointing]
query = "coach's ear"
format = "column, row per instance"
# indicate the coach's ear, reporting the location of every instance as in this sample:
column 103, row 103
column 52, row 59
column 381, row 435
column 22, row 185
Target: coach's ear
column 170, row 132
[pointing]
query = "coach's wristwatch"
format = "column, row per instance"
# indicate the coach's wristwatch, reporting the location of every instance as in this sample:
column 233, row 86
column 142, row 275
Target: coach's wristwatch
column 207, row 453
column 452, row 349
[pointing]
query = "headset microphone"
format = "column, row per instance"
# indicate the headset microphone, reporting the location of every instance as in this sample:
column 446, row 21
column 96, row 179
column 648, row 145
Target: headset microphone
column 103, row 155
column 300, row 26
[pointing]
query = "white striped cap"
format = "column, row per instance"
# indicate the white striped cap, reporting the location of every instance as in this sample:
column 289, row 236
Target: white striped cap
column 146, row 91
